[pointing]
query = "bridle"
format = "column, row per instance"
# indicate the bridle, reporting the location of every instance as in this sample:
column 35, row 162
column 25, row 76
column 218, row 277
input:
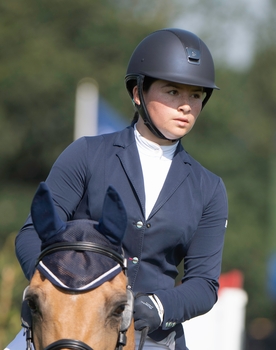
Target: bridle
column 70, row 343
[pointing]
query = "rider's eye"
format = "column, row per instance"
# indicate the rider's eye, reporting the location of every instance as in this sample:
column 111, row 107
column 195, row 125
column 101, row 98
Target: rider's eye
column 173, row 92
column 198, row 95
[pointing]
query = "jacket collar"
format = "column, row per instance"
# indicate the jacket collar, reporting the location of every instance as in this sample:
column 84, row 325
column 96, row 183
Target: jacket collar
column 128, row 155
column 126, row 138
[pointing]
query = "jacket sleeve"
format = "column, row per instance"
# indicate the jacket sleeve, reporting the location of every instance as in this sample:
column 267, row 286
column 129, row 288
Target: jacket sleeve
column 202, row 265
column 66, row 181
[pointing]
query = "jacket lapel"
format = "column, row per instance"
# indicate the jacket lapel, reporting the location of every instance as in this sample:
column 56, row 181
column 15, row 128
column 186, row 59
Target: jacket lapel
column 129, row 157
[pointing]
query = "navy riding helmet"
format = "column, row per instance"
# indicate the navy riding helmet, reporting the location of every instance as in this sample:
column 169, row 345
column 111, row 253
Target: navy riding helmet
column 174, row 55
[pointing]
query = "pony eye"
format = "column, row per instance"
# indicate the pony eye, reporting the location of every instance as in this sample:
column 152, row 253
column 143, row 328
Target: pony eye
column 119, row 310
column 32, row 305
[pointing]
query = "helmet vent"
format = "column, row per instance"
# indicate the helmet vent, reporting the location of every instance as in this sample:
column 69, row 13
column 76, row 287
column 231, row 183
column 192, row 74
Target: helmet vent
column 193, row 55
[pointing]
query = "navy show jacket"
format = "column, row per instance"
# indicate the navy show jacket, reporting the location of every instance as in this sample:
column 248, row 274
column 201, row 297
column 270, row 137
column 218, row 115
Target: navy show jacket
column 188, row 221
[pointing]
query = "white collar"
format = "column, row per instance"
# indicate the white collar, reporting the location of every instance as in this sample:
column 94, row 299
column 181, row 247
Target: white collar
column 152, row 148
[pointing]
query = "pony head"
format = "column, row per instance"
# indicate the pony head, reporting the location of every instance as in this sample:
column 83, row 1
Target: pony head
column 78, row 269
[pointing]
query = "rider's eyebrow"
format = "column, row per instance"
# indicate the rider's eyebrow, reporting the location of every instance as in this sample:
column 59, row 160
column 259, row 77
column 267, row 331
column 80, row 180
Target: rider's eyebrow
column 170, row 85
column 193, row 88
column 197, row 89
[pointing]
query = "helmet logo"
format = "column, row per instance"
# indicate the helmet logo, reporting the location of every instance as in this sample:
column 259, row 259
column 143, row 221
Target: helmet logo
column 193, row 55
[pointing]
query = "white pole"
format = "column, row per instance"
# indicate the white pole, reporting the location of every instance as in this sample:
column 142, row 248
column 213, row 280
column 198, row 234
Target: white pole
column 86, row 110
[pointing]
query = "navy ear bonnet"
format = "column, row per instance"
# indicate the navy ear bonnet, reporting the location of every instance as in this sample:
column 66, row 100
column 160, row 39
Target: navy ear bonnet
column 79, row 270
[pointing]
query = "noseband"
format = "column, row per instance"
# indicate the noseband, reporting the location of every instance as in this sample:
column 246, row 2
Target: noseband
column 88, row 246
column 68, row 344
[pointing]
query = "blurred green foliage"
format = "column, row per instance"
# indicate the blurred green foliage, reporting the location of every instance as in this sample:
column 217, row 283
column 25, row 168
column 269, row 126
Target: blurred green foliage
column 47, row 47
column 12, row 284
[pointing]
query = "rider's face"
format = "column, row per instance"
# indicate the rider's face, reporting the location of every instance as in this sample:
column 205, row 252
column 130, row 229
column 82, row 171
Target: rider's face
column 173, row 109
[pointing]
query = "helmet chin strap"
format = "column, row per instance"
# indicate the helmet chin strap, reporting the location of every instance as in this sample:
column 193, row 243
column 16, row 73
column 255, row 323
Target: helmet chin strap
column 142, row 110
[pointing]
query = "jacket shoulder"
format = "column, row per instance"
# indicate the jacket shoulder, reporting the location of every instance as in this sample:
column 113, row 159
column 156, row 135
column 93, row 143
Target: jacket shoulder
column 209, row 182
column 118, row 138
column 199, row 170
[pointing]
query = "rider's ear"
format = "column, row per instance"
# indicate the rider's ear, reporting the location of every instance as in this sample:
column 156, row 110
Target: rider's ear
column 136, row 98
column 113, row 222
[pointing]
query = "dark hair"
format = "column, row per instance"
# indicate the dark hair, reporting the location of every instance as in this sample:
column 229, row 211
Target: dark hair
column 148, row 81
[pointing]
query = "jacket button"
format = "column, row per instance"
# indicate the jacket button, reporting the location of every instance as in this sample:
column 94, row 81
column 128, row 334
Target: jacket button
column 139, row 224
column 148, row 225
column 135, row 260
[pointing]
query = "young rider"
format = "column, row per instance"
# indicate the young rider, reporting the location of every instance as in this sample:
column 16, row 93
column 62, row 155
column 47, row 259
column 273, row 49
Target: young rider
column 177, row 210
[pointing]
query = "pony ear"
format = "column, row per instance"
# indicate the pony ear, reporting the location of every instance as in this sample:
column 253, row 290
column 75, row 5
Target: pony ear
column 113, row 222
column 45, row 218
